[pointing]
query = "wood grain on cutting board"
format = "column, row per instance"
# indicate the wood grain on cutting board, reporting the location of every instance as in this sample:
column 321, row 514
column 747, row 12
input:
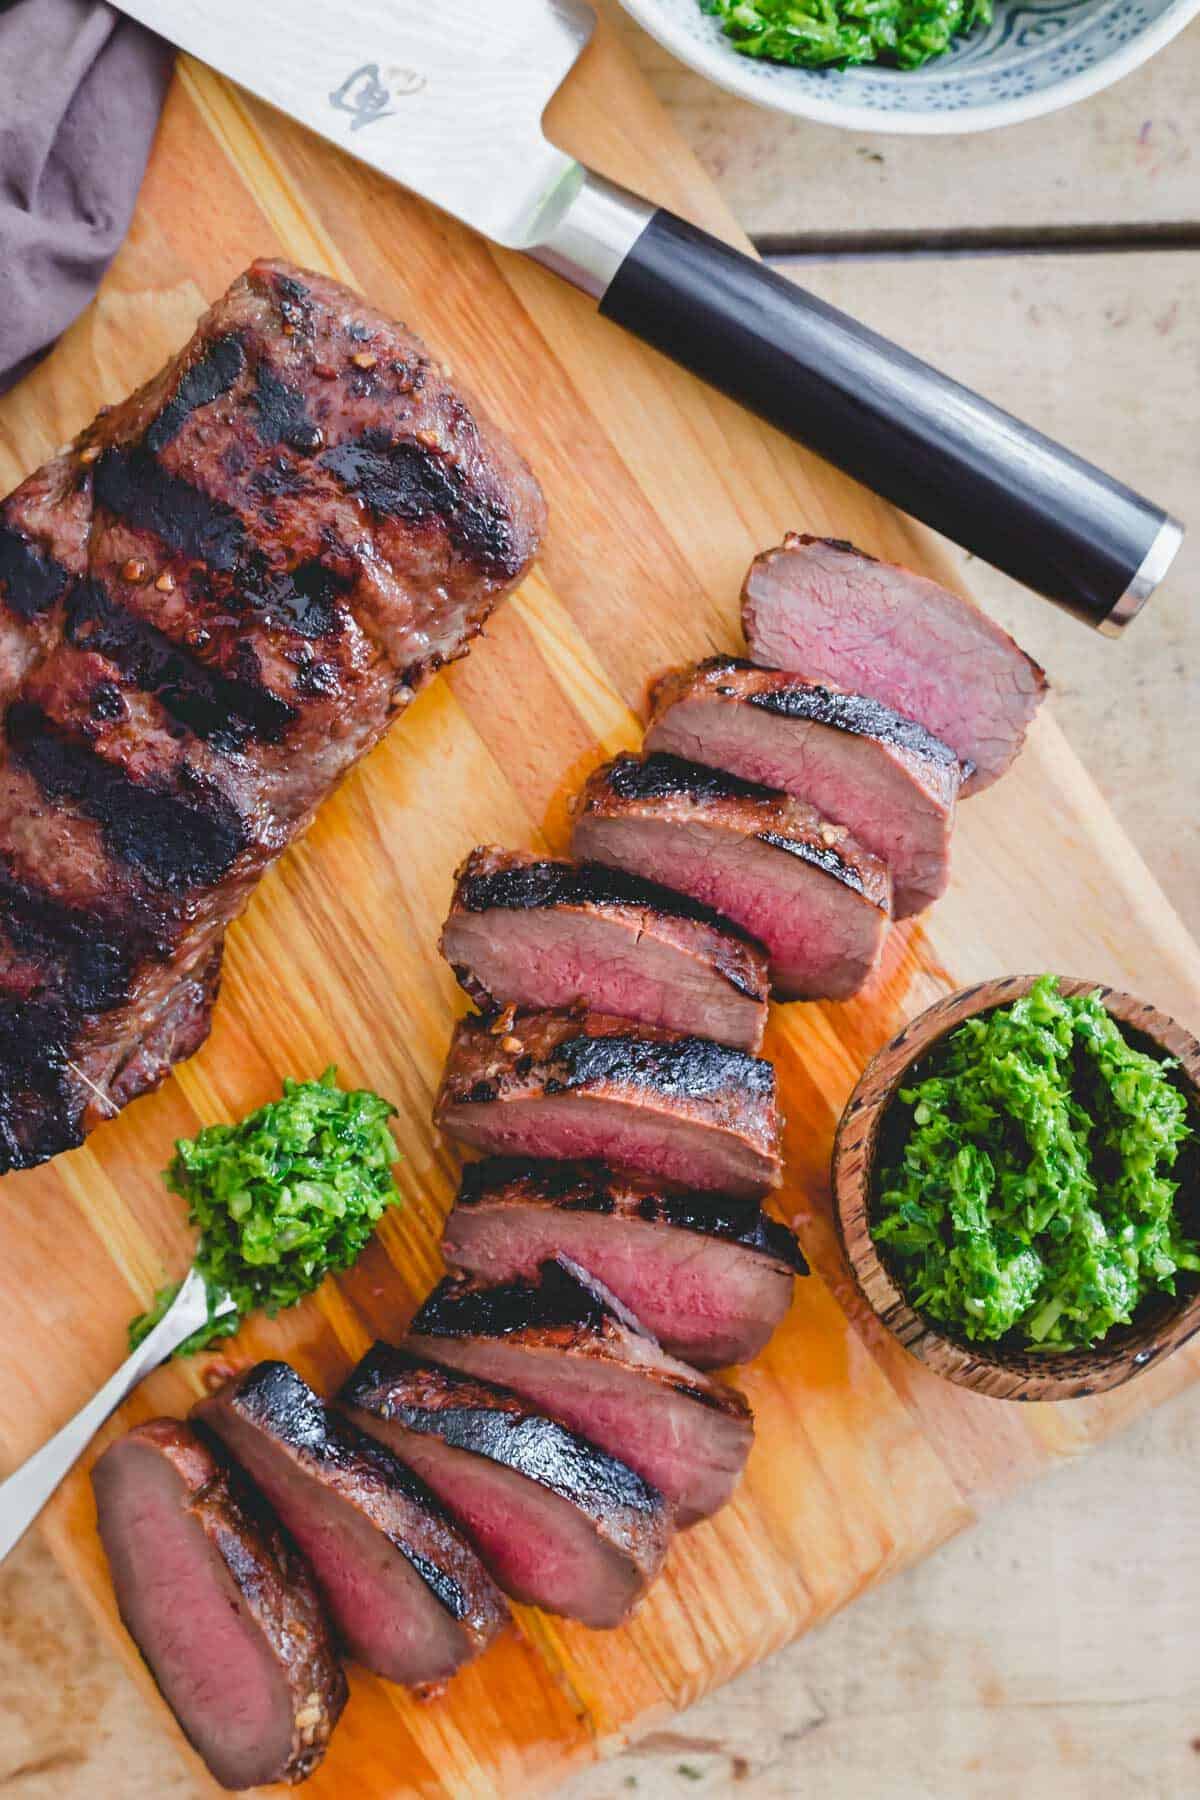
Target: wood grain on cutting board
column 659, row 492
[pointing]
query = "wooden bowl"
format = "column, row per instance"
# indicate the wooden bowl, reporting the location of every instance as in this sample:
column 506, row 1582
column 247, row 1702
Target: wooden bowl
column 1162, row 1323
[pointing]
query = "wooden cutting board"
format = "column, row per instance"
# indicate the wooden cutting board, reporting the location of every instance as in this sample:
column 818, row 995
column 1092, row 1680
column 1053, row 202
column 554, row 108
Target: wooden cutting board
column 660, row 492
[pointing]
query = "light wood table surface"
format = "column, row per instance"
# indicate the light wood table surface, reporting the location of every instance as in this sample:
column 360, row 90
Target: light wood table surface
column 1055, row 1650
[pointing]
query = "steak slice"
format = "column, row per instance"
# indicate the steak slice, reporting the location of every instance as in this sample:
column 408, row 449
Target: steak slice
column 557, row 1522
column 884, row 776
column 408, row 1596
column 709, row 1278
column 566, row 1085
column 211, row 605
column 800, row 884
column 829, row 612
column 538, row 933
column 221, row 1605
column 564, row 1345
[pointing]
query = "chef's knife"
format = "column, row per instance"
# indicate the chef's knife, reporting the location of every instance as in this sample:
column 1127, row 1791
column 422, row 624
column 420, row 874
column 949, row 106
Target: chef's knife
column 447, row 97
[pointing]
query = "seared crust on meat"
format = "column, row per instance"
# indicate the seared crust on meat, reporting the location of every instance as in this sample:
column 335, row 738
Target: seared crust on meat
column 824, row 608
column 393, row 1384
column 273, row 1402
column 561, row 1310
column 519, row 880
column 662, row 1078
column 775, row 691
column 667, row 788
column 708, row 1277
column 565, row 1343
column 558, row 1522
column 211, row 605
column 274, row 1584
column 861, row 764
column 592, row 1187
column 539, row 933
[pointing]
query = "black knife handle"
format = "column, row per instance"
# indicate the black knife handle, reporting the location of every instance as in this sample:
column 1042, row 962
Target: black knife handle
column 929, row 445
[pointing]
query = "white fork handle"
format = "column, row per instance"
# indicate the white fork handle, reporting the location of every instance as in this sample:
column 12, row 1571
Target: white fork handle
column 27, row 1489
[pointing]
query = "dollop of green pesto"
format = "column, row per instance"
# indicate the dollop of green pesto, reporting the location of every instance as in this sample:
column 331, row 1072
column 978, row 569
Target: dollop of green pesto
column 820, row 33
column 1028, row 1187
column 291, row 1193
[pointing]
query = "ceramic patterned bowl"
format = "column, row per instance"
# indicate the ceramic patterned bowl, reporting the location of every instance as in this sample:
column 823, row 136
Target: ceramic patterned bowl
column 1036, row 56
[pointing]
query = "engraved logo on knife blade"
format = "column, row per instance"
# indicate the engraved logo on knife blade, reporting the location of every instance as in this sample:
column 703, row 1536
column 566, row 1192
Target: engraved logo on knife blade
column 366, row 96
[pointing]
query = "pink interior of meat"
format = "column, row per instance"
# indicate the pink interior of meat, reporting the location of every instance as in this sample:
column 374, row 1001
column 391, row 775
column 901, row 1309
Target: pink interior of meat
column 546, row 959
column 184, row 1611
column 643, row 1140
column 709, row 1302
column 887, row 632
column 689, row 1451
column 852, row 780
column 539, row 1547
column 384, row 1612
column 822, row 937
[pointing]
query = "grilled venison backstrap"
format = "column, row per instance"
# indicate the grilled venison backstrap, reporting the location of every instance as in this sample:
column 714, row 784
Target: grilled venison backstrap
column 211, row 605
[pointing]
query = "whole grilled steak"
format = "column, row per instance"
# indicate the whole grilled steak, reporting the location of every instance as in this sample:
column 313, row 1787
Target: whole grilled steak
column 777, row 867
column 562, row 1343
column 829, row 612
column 221, row 1605
column 408, row 1596
column 558, row 1523
column 567, row 1085
column 211, row 605
column 859, row 763
column 536, row 933
column 709, row 1278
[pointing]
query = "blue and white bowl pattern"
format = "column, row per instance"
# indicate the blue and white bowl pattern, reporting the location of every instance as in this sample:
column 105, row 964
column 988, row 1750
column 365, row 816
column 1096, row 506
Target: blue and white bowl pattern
column 1036, row 55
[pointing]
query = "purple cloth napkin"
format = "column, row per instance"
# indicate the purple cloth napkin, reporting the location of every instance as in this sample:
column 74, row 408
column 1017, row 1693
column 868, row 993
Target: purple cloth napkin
column 80, row 93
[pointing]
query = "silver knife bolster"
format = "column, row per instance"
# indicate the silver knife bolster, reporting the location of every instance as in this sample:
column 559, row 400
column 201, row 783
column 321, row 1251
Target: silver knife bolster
column 594, row 235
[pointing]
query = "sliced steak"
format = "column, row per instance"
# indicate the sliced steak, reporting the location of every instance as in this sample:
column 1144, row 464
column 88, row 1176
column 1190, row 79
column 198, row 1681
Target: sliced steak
column 802, row 885
column 709, row 1278
column 559, row 1523
column 221, row 1605
column 562, row 1342
column 828, row 612
column 407, row 1594
column 859, row 763
column 565, row 1085
column 211, row 605
column 536, row 933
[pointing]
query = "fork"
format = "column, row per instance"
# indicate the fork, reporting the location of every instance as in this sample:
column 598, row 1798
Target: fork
column 25, row 1492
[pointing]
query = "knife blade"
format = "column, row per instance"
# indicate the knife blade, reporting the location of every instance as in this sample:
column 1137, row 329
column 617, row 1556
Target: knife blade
column 446, row 97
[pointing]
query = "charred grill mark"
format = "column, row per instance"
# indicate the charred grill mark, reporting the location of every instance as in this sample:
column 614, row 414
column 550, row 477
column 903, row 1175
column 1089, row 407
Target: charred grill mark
column 224, row 712
column 679, row 1068
column 529, row 886
column 663, row 777
column 821, row 856
column 177, row 838
column 205, row 381
column 592, row 1188
column 461, row 1307
column 317, row 680
column 30, row 581
column 282, row 413
column 133, row 485
column 466, row 1414
column 89, row 959
column 283, row 1406
column 403, row 478
column 855, row 713
column 39, row 1115
column 295, row 303
column 305, row 600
